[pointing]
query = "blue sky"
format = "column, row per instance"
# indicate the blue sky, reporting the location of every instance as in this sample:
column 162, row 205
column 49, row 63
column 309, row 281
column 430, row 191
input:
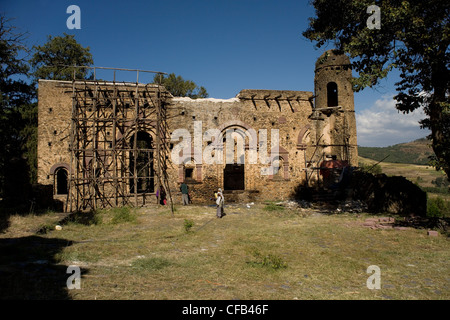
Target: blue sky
column 223, row 45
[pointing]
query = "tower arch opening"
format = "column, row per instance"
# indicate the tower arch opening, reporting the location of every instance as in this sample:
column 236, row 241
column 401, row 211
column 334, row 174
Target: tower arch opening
column 332, row 94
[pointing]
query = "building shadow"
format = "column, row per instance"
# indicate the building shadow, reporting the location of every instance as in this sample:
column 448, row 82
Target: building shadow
column 36, row 201
column 4, row 221
column 29, row 269
column 380, row 193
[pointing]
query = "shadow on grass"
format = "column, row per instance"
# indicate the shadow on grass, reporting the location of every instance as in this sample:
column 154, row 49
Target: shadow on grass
column 84, row 218
column 28, row 207
column 29, row 270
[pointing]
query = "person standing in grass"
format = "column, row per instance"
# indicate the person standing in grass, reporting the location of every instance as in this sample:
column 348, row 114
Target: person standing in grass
column 184, row 193
column 220, row 202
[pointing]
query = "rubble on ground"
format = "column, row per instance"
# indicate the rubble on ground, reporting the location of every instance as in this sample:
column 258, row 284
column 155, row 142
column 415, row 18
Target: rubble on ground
column 406, row 223
column 347, row 206
column 382, row 223
column 352, row 206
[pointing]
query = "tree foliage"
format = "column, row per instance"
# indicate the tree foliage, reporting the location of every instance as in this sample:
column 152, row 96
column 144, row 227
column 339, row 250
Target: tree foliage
column 53, row 59
column 16, row 96
column 413, row 38
column 18, row 99
column 50, row 61
column 179, row 87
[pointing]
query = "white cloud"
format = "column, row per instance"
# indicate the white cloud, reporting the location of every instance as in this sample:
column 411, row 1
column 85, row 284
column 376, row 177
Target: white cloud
column 383, row 125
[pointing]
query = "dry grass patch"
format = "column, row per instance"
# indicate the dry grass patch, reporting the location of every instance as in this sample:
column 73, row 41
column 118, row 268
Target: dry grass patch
column 251, row 254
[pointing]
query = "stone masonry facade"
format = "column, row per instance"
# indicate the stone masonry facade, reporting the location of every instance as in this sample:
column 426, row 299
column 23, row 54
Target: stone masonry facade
column 277, row 139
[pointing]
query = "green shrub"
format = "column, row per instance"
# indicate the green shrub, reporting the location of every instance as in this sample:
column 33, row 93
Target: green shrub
column 437, row 207
column 188, row 224
column 123, row 215
column 273, row 207
column 374, row 169
column 270, row 261
column 440, row 190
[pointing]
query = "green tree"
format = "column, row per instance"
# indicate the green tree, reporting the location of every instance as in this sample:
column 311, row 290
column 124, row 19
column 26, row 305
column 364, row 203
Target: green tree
column 28, row 134
column 179, row 87
column 413, row 38
column 50, row 61
column 374, row 169
column 16, row 94
column 53, row 59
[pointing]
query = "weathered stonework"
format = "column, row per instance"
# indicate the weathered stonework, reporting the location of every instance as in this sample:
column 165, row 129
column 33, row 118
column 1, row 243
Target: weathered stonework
column 312, row 128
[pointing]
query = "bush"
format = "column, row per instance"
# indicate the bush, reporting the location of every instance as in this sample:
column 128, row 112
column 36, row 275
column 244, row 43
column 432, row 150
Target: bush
column 268, row 260
column 438, row 207
column 374, row 169
column 439, row 190
column 188, row 224
column 123, row 214
column 273, row 207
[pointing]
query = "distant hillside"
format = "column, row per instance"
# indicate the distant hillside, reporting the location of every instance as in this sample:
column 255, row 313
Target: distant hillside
column 415, row 152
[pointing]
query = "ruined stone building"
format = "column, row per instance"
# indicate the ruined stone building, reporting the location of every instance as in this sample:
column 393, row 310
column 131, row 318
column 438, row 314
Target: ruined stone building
column 103, row 144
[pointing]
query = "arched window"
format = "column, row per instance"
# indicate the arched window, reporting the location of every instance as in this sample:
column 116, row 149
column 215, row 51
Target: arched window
column 61, row 181
column 143, row 163
column 332, row 94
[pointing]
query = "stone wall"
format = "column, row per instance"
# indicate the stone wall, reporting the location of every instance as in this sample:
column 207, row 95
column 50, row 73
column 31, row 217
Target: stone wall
column 54, row 120
column 285, row 111
column 308, row 133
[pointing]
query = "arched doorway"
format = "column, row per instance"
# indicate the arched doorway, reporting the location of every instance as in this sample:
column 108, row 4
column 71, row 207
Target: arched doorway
column 61, row 181
column 141, row 164
column 235, row 142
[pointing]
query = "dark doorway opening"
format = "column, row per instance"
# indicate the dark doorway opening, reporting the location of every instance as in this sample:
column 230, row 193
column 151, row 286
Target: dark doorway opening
column 332, row 94
column 143, row 163
column 234, row 177
column 62, row 185
column 189, row 174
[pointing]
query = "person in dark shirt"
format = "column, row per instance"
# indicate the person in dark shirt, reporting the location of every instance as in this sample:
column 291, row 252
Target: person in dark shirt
column 184, row 193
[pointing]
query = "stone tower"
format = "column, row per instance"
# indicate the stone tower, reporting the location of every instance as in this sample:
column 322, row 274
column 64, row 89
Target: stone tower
column 334, row 107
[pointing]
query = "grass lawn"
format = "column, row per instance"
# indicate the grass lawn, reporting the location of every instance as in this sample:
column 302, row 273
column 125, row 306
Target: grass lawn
column 251, row 253
column 413, row 172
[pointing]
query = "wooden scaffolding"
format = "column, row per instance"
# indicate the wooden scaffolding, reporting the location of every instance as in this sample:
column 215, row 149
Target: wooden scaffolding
column 342, row 145
column 119, row 143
